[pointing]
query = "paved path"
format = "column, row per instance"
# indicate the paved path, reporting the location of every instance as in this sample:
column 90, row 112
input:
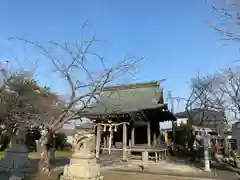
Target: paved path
column 224, row 172
column 107, row 159
column 110, row 175
column 227, row 175
column 221, row 170
column 112, row 161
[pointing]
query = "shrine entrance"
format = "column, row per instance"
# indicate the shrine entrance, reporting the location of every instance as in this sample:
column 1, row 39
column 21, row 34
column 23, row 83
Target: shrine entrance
column 143, row 131
column 134, row 126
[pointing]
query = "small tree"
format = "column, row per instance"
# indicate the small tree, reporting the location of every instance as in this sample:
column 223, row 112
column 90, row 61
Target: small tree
column 23, row 102
column 85, row 82
column 60, row 141
column 184, row 134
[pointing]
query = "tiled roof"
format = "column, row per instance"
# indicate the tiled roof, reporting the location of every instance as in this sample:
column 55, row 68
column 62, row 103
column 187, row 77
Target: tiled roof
column 207, row 118
column 126, row 98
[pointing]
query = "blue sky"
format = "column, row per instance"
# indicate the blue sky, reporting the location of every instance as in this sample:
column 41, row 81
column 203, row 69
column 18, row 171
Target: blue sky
column 171, row 34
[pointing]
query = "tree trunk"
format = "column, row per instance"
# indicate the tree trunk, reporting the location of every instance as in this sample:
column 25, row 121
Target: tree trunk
column 44, row 165
column 52, row 151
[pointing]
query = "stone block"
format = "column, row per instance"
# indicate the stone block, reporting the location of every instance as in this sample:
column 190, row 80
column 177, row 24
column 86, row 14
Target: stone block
column 16, row 158
column 89, row 162
column 79, row 170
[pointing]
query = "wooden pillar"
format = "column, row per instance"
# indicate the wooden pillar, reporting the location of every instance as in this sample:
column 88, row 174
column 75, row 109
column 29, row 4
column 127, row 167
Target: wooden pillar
column 133, row 136
column 124, row 143
column 145, row 159
column 98, row 140
column 129, row 153
column 159, row 135
column 174, row 135
column 149, row 134
column 155, row 139
column 105, row 142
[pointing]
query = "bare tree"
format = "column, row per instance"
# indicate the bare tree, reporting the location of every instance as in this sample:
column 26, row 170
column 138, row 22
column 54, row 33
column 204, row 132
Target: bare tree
column 226, row 91
column 199, row 98
column 85, row 82
column 228, row 13
column 218, row 92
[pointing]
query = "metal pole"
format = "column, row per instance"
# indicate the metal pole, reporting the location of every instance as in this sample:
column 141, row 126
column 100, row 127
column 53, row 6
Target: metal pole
column 206, row 151
column 173, row 124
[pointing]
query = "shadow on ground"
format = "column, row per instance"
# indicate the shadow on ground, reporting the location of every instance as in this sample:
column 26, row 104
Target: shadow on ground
column 220, row 169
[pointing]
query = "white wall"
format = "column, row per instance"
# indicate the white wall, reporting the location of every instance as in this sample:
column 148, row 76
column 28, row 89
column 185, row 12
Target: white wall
column 168, row 124
column 181, row 121
column 236, row 133
column 70, row 139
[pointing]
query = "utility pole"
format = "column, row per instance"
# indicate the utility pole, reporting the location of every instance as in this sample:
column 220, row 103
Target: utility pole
column 173, row 123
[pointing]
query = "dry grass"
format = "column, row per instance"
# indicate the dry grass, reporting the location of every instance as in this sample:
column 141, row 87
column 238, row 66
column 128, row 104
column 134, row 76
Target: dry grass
column 34, row 158
column 34, row 155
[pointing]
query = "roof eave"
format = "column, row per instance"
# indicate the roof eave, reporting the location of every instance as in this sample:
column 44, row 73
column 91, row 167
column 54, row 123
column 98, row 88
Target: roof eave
column 87, row 114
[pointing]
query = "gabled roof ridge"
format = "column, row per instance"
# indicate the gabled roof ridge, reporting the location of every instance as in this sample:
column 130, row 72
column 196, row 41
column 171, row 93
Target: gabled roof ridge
column 132, row 86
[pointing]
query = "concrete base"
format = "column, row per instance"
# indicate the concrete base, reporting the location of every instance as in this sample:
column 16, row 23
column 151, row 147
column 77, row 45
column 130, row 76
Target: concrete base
column 16, row 178
column 78, row 178
column 82, row 167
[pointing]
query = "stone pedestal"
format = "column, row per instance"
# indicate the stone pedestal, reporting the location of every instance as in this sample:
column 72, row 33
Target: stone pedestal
column 82, row 170
column 83, row 165
column 16, row 159
column 145, row 159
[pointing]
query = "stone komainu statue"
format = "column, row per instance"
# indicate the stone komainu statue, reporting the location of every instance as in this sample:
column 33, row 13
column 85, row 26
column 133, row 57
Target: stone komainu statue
column 84, row 142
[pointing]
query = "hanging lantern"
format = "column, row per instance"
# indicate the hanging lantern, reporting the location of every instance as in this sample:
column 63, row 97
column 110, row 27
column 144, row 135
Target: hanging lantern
column 115, row 129
column 104, row 128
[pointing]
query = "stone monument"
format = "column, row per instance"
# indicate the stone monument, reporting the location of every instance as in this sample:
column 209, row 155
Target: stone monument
column 15, row 161
column 83, row 164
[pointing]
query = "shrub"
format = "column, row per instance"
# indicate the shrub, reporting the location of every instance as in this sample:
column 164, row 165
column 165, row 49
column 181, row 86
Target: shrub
column 60, row 141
